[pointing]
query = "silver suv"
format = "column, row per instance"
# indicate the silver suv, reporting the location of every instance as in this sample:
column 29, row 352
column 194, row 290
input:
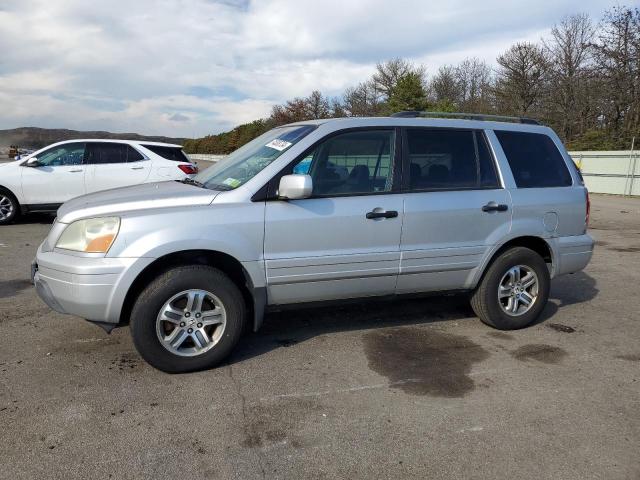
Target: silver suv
column 321, row 211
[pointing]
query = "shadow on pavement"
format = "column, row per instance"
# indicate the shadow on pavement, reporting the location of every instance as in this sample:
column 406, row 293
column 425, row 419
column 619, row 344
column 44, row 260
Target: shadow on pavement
column 289, row 327
column 33, row 218
column 568, row 290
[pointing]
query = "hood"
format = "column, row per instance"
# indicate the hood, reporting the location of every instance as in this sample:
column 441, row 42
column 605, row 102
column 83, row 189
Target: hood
column 139, row 197
column 10, row 162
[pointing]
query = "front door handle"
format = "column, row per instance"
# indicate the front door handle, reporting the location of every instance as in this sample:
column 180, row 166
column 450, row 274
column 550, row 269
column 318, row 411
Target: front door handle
column 75, row 171
column 381, row 214
column 137, row 168
column 495, row 207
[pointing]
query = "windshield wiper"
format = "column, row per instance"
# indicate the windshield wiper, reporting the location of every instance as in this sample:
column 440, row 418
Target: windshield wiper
column 216, row 186
column 219, row 186
column 191, row 181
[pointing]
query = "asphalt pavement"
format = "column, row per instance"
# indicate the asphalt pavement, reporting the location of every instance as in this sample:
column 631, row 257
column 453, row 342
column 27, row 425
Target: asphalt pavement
column 407, row 389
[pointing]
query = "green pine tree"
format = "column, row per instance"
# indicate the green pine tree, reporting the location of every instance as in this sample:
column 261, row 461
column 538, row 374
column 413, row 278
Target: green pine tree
column 408, row 94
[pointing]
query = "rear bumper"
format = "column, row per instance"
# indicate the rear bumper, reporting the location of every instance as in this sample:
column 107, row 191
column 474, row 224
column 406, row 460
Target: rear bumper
column 573, row 253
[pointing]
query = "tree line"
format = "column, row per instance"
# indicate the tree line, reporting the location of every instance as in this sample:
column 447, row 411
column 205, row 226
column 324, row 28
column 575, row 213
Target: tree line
column 583, row 80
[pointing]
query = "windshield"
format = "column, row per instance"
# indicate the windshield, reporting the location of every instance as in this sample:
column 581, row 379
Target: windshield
column 249, row 160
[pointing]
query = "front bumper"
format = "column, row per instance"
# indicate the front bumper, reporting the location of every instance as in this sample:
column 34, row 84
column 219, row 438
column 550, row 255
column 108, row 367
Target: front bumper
column 89, row 287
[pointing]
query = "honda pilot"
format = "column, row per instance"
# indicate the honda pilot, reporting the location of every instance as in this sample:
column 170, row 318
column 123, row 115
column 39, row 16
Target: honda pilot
column 319, row 211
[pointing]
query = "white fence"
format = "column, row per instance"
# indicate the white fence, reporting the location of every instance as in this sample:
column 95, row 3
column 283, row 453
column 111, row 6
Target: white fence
column 616, row 173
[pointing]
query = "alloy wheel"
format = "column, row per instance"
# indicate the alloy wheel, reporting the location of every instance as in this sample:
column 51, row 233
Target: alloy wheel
column 191, row 323
column 518, row 290
column 6, row 207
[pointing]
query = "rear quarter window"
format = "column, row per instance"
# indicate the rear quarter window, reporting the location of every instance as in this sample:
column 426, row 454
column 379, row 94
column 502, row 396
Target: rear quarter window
column 534, row 159
column 170, row 153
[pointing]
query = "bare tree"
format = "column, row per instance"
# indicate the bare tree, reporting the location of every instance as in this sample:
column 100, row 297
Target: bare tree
column 363, row 100
column 571, row 104
column 521, row 79
column 617, row 56
column 444, row 87
column 317, row 106
column 390, row 72
column 474, row 79
column 337, row 108
column 292, row 111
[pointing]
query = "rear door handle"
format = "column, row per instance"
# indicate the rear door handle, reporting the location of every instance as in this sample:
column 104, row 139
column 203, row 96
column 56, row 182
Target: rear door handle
column 137, row 168
column 382, row 214
column 495, row 207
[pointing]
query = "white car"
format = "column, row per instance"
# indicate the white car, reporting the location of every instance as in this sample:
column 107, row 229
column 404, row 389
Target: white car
column 48, row 177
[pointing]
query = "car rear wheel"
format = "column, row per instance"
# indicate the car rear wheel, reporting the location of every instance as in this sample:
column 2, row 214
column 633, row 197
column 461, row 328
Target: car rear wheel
column 9, row 207
column 188, row 319
column 513, row 291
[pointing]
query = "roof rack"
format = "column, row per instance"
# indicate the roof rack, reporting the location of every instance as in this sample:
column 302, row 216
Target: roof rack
column 465, row 116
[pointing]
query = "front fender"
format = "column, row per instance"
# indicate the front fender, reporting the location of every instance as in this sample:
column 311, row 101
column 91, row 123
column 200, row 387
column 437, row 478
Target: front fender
column 233, row 229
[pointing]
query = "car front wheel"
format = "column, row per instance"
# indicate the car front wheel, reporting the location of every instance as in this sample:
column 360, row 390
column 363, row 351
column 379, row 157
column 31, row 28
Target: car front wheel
column 9, row 207
column 188, row 319
column 514, row 290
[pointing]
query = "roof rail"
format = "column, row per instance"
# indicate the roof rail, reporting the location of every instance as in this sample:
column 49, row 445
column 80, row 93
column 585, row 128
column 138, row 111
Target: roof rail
column 465, row 116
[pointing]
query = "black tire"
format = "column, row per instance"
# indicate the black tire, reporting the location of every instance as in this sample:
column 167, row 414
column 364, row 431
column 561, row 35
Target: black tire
column 15, row 213
column 149, row 303
column 485, row 301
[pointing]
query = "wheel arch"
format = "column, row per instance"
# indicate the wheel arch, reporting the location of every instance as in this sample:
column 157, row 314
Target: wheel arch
column 7, row 189
column 255, row 297
column 537, row 244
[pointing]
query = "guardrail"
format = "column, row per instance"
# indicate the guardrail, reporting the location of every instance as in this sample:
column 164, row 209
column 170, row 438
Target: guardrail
column 205, row 156
column 613, row 172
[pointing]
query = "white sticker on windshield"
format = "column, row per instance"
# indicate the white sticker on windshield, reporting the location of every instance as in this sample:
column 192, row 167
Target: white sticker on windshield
column 278, row 144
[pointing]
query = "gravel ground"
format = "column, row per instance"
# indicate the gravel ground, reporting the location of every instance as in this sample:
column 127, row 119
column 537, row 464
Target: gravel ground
column 408, row 389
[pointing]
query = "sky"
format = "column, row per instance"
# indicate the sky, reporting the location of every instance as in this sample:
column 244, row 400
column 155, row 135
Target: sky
column 187, row 68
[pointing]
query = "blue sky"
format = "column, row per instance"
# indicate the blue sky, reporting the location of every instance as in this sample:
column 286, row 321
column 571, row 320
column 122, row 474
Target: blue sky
column 193, row 67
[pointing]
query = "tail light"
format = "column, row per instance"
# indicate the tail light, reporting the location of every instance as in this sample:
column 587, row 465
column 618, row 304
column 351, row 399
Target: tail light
column 188, row 169
column 586, row 219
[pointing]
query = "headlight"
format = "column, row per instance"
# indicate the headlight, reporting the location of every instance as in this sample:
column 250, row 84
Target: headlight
column 92, row 235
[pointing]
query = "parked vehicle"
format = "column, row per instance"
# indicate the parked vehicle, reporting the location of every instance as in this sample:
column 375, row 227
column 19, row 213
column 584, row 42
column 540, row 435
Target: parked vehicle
column 43, row 180
column 386, row 206
column 23, row 153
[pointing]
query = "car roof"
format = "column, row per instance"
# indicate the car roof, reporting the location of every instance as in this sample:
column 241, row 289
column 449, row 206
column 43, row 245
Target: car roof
column 116, row 140
column 353, row 122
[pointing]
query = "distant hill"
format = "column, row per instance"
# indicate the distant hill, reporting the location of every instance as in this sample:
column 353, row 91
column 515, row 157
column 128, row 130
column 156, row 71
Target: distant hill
column 34, row 138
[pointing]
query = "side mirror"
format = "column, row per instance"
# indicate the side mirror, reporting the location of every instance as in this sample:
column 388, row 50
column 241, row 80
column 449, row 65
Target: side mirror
column 295, row 187
column 32, row 162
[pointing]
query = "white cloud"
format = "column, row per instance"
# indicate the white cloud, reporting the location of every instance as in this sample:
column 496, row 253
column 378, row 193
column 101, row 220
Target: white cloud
column 138, row 66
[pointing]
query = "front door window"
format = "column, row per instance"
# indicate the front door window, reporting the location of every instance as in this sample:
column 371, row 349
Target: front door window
column 63, row 155
column 351, row 163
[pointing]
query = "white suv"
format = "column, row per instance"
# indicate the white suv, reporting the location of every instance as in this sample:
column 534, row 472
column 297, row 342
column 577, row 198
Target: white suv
column 50, row 176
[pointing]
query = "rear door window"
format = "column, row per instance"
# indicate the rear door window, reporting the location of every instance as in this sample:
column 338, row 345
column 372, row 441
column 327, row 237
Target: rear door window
column 170, row 153
column 447, row 159
column 534, row 159
column 105, row 153
column 133, row 155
